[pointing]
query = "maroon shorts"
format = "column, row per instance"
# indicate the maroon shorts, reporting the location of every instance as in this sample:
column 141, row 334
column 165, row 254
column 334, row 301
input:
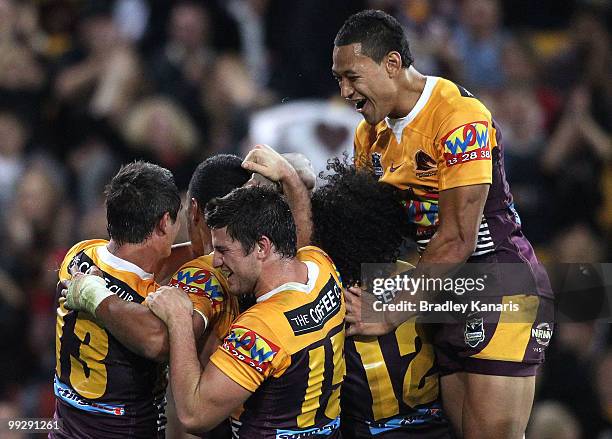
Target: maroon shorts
column 508, row 330
column 497, row 342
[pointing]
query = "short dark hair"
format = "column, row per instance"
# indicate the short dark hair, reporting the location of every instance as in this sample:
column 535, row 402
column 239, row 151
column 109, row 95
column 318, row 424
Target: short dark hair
column 136, row 200
column 216, row 177
column 378, row 32
column 357, row 219
column 252, row 212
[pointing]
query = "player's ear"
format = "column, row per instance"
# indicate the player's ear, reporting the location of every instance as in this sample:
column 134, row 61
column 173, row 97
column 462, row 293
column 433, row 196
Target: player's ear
column 263, row 247
column 393, row 64
column 194, row 213
column 163, row 226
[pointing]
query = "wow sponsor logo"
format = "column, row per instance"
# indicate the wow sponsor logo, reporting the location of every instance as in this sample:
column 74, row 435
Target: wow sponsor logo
column 250, row 348
column 200, row 282
column 466, row 143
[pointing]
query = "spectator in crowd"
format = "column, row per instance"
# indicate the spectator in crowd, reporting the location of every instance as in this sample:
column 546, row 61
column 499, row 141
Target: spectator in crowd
column 477, row 45
column 98, row 81
column 164, row 133
column 181, row 67
column 12, row 144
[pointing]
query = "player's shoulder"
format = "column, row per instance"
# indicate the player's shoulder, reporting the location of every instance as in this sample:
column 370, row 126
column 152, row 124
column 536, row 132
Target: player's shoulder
column 317, row 255
column 313, row 253
column 259, row 318
column 199, row 276
column 86, row 245
column 82, row 246
column 202, row 262
column 453, row 98
column 365, row 134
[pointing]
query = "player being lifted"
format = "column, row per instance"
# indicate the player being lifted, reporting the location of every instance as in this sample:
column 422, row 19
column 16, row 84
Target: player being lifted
column 278, row 372
column 437, row 143
column 391, row 385
column 129, row 325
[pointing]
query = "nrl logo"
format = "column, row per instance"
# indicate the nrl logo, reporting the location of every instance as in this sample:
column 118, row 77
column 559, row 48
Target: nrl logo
column 376, row 164
column 542, row 333
column 474, row 332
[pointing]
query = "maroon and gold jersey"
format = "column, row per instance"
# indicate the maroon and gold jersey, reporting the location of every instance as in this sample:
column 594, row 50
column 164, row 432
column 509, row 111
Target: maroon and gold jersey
column 208, row 290
column 391, row 386
column 288, row 350
column 103, row 390
column 448, row 140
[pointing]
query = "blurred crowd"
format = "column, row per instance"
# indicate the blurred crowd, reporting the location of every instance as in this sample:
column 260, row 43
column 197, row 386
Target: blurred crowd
column 88, row 85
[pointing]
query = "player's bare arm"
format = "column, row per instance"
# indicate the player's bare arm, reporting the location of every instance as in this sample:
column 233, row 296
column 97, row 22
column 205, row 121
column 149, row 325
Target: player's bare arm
column 460, row 215
column 134, row 325
column 203, row 397
column 461, row 211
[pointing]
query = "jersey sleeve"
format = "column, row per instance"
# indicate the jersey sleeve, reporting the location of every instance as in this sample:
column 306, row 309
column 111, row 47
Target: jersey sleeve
column 204, row 290
column 463, row 147
column 250, row 353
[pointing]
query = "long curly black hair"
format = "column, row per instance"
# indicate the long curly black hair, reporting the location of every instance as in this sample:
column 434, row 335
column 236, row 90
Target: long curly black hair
column 357, row 219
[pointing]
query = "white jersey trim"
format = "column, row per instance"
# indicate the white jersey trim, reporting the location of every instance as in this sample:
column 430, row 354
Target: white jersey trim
column 121, row 264
column 313, row 274
column 398, row 125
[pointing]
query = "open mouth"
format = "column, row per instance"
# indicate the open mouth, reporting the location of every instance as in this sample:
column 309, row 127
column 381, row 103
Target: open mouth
column 227, row 273
column 360, row 104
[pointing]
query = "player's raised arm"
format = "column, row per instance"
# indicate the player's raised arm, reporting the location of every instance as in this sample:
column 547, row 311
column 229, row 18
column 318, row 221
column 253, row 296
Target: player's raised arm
column 265, row 161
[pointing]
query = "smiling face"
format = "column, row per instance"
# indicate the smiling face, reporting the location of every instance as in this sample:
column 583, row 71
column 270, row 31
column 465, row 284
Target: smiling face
column 242, row 271
column 367, row 84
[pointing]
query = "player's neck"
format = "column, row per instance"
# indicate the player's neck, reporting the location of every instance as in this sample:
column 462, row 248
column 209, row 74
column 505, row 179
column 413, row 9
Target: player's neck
column 279, row 273
column 142, row 255
column 411, row 86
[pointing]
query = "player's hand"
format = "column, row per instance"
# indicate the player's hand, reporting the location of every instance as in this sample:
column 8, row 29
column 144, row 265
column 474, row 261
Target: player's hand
column 72, row 288
column 303, row 167
column 375, row 329
column 360, row 314
column 170, row 304
column 265, row 161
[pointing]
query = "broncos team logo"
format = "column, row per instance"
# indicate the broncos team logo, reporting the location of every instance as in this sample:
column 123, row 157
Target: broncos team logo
column 424, row 165
column 466, row 143
column 250, row 348
column 200, row 282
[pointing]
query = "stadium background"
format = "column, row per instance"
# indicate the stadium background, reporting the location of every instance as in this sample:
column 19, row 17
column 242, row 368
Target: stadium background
column 86, row 86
